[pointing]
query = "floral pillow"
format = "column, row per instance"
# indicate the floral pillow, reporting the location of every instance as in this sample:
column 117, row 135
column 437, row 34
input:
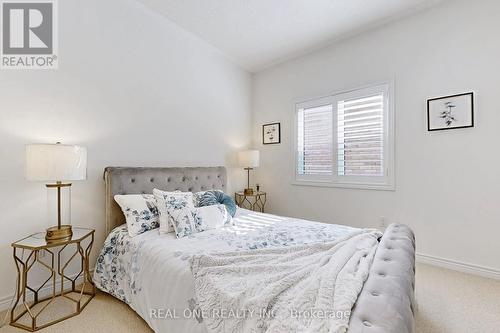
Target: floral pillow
column 141, row 212
column 179, row 207
column 198, row 197
column 211, row 217
column 165, row 224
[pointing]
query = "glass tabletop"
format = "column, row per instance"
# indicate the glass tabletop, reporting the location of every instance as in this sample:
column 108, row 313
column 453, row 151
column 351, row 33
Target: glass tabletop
column 255, row 193
column 37, row 241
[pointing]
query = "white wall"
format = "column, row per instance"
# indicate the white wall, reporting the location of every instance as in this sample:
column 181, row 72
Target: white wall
column 447, row 183
column 133, row 88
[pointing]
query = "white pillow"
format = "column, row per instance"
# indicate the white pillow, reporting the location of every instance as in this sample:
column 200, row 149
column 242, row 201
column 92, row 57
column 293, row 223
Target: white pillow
column 175, row 212
column 141, row 212
column 211, row 217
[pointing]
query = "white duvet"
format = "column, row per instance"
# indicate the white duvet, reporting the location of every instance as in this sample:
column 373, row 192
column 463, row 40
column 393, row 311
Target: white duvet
column 152, row 273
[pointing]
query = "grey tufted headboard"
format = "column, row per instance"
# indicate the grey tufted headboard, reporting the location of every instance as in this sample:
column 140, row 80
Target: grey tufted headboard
column 132, row 180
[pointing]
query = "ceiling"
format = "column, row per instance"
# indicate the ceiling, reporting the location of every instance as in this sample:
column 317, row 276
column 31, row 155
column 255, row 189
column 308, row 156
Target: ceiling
column 260, row 33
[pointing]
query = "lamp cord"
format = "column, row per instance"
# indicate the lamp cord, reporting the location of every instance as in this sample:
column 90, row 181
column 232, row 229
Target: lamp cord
column 6, row 316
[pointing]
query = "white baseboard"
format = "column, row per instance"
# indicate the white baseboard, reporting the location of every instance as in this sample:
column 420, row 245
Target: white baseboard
column 486, row 272
column 5, row 302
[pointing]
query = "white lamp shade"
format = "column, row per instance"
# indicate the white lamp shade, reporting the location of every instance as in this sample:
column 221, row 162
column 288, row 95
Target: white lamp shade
column 249, row 158
column 55, row 162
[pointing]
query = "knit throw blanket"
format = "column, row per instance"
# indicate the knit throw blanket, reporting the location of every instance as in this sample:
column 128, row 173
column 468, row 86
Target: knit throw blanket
column 305, row 288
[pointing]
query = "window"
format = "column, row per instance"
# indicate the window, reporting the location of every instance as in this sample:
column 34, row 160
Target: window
column 315, row 140
column 346, row 140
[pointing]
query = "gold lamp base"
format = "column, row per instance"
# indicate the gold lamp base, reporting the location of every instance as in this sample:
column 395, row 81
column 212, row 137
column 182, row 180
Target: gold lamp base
column 57, row 234
column 61, row 232
column 248, row 191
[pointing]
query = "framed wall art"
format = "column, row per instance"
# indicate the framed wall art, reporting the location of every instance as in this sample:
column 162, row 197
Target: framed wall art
column 271, row 133
column 450, row 112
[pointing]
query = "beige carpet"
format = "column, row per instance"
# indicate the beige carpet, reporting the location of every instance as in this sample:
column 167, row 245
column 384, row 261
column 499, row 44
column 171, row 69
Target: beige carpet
column 452, row 302
column 448, row 302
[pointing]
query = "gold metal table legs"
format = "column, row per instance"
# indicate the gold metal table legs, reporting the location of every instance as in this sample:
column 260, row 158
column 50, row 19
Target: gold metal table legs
column 255, row 202
column 27, row 311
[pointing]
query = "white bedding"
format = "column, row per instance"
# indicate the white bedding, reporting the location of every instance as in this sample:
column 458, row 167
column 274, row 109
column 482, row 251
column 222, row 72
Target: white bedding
column 151, row 272
column 288, row 284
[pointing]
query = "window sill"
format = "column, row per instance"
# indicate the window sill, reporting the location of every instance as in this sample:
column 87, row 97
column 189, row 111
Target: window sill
column 359, row 186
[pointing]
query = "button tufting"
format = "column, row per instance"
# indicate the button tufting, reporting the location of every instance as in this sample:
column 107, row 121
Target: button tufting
column 196, row 178
column 152, row 180
column 190, row 189
column 387, row 259
column 381, row 274
column 132, row 180
column 374, row 293
column 168, row 180
column 367, row 323
column 183, row 179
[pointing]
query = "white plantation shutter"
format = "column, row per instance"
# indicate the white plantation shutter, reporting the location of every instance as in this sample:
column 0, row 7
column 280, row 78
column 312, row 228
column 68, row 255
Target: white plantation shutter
column 346, row 140
column 360, row 135
column 314, row 140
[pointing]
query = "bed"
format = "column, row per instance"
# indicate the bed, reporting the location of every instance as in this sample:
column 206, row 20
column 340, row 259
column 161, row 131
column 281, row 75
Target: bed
column 151, row 272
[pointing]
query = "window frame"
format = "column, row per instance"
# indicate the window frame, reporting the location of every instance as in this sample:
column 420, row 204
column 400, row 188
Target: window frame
column 386, row 182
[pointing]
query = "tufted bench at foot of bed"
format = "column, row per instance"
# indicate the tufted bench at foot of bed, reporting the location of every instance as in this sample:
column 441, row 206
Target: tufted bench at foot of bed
column 386, row 302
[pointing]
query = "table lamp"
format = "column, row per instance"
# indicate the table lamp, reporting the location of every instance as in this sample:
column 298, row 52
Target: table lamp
column 57, row 164
column 248, row 159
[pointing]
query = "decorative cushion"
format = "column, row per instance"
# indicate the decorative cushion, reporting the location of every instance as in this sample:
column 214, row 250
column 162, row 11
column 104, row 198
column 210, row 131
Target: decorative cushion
column 141, row 212
column 211, row 217
column 209, row 198
column 179, row 208
column 166, row 220
column 206, row 198
column 184, row 217
column 197, row 198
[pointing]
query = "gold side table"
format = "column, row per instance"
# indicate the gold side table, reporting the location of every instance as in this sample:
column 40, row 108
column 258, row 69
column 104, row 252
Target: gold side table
column 31, row 314
column 255, row 201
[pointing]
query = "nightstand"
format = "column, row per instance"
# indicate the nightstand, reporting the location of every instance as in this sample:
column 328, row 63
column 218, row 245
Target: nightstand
column 50, row 257
column 255, row 201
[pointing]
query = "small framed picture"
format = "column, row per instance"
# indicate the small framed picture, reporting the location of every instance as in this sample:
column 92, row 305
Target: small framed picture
column 450, row 112
column 271, row 133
